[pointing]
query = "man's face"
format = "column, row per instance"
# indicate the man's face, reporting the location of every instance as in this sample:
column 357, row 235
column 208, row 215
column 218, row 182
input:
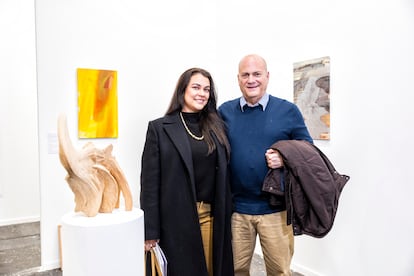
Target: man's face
column 253, row 78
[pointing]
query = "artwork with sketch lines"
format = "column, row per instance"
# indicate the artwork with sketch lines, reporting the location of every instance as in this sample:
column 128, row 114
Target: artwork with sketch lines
column 311, row 95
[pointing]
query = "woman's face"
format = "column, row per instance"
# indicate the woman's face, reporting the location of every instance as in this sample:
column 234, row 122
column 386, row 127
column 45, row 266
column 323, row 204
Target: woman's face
column 196, row 94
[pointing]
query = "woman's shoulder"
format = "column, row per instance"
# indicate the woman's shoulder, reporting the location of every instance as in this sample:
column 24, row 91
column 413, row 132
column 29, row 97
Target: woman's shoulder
column 164, row 119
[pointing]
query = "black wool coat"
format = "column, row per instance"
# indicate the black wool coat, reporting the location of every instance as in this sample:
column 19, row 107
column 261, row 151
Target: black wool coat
column 168, row 199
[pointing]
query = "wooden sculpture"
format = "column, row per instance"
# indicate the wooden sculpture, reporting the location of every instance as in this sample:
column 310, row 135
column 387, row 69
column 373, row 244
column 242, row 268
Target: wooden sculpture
column 94, row 176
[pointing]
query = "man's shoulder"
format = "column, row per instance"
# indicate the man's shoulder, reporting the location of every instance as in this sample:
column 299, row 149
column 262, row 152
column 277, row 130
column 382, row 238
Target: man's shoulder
column 280, row 101
column 229, row 104
column 277, row 99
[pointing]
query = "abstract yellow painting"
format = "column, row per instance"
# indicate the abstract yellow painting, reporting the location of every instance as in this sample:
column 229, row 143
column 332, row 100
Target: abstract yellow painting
column 97, row 103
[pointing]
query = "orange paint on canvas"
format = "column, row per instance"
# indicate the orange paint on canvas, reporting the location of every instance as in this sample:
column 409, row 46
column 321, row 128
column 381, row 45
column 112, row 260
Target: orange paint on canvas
column 97, row 103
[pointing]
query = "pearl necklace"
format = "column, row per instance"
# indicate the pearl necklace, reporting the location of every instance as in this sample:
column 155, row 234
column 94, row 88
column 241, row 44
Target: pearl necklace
column 188, row 130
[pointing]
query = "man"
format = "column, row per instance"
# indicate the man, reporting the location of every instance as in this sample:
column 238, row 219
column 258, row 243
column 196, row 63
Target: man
column 255, row 121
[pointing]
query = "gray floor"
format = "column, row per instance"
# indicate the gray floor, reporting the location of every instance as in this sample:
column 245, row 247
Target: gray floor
column 19, row 247
column 20, row 253
column 258, row 268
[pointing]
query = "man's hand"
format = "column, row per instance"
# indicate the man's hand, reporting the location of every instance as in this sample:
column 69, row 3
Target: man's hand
column 273, row 159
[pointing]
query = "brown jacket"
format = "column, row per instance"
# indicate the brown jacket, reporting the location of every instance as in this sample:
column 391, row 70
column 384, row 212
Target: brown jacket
column 309, row 184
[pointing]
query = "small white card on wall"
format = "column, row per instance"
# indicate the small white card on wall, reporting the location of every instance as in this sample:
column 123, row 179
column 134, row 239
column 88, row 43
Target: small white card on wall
column 52, row 143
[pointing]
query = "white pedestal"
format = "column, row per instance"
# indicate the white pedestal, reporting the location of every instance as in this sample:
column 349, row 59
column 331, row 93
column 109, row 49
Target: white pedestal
column 104, row 245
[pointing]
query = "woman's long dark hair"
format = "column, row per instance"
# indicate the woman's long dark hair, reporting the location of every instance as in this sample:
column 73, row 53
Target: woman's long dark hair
column 210, row 120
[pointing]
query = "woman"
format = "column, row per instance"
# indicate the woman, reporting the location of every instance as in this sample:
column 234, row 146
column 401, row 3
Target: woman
column 185, row 190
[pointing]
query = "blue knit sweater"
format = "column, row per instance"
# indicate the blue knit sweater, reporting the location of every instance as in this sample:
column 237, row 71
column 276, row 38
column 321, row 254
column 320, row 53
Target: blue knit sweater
column 251, row 132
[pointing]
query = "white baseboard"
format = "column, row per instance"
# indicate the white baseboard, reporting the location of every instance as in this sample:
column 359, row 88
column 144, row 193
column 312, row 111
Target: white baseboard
column 19, row 220
column 304, row 270
column 50, row 265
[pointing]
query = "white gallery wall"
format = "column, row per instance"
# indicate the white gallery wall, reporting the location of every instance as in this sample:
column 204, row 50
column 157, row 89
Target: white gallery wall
column 19, row 156
column 150, row 43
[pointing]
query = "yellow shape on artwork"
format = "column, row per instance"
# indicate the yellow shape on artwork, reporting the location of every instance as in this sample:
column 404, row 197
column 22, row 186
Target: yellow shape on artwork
column 97, row 103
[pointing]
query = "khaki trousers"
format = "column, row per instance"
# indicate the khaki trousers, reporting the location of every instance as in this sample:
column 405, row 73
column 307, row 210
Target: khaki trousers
column 206, row 226
column 276, row 240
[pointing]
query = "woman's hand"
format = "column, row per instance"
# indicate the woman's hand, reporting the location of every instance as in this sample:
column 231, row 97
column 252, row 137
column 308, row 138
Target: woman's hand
column 150, row 244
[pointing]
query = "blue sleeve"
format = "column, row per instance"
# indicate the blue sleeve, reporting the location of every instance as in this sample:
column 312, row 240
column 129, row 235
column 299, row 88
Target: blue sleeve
column 299, row 131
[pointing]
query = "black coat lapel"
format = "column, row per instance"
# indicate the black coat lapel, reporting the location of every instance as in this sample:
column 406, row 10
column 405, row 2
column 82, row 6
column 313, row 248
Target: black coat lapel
column 175, row 130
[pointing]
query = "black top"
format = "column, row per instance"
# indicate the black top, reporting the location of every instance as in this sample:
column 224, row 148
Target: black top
column 204, row 164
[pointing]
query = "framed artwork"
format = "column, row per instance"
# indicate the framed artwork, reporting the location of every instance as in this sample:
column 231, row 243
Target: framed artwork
column 97, row 103
column 312, row 95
